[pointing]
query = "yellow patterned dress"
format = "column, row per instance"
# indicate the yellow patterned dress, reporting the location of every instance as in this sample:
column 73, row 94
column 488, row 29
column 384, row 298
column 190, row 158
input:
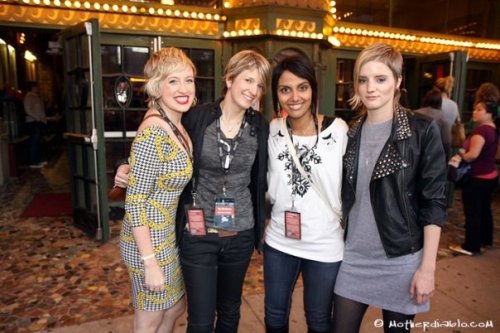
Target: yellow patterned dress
column 159, row 171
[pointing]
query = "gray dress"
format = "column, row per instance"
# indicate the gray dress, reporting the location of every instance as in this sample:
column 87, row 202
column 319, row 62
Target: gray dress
column 366, row 274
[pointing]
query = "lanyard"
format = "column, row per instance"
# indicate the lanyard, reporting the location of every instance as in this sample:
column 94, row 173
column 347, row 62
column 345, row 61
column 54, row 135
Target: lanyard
column 295, row 171
column 176, row 131
column 226, row 157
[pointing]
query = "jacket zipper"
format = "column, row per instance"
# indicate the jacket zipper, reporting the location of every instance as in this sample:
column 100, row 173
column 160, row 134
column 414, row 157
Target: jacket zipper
column 405, row 199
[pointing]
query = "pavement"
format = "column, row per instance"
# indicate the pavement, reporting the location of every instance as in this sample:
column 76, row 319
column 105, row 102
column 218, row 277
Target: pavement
column 466, row 300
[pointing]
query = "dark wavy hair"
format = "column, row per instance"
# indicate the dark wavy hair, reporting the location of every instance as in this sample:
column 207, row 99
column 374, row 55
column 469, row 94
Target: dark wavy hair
column 300, row 66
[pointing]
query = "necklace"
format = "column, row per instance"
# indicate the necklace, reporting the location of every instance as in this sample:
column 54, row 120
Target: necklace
column 230, row 126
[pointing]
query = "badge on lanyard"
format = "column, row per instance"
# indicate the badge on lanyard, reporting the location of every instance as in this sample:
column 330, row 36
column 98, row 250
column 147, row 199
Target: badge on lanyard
column 292, row 225
column 196, row 221
column 224, row 213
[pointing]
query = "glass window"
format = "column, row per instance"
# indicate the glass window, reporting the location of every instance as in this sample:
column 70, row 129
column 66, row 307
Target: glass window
column 134, row 59
column 344, row 83
column 111, row 59
column 459, row 17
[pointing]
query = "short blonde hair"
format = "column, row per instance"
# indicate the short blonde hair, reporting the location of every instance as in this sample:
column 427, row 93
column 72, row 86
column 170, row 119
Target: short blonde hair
column 383, row 53
column 159, row 66
column 247, row 60
column 445, row 84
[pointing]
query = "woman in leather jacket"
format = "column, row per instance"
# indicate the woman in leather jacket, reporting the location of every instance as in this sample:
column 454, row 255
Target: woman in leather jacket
column 393, row 201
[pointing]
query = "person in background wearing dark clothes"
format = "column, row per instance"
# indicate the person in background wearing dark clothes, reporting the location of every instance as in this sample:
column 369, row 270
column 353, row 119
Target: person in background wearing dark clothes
column 479, row 150
column 393, row 201
column 36, row 121
column 431, row 107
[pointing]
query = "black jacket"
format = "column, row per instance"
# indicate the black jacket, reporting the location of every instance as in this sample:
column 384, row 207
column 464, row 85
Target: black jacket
column 195, row 122
column 407, row 187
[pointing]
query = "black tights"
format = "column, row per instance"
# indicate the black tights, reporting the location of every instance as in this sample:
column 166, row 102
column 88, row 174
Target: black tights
column 348, row 315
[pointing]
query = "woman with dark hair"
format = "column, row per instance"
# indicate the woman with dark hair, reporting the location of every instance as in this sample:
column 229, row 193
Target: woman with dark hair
column 393, row 201
column 480, row 149
column 304, row 235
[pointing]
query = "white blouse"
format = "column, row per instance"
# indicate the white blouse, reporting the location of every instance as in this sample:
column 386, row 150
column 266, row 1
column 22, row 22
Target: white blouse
column 322, row 237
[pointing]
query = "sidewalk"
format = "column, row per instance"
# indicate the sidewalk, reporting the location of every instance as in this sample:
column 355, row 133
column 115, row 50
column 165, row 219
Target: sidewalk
column 467, row 294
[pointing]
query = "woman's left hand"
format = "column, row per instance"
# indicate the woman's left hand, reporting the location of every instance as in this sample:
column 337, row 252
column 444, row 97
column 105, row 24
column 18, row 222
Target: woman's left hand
column 422, row 285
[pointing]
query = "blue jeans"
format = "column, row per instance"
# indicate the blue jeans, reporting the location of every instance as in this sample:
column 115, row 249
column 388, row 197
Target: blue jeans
column 281, row 271
column 214, row 269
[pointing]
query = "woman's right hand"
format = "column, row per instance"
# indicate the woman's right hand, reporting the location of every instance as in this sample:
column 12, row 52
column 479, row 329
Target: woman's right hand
column 121, row 177
column 153, row 276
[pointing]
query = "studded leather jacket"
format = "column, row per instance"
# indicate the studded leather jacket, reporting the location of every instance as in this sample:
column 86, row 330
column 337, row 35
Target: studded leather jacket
column 407, row 186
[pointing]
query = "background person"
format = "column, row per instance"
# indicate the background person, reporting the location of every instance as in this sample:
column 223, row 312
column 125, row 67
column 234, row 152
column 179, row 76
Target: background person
column 316, row 250
column 477, row 191
column 392, row 199
column 36, row 121
column 160, row 167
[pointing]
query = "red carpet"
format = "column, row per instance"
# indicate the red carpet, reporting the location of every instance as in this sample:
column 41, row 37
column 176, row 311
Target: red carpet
column 49, row 204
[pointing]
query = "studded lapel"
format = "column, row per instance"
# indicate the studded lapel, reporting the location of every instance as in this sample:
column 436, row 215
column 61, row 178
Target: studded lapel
column 390, row 159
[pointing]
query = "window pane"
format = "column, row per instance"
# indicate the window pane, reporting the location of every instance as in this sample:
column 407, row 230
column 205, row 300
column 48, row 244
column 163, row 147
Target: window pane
column 113, row 120
column 111, row 59
column 133, row 120
column 134, row 59
column 204, row 62
column 204, row 90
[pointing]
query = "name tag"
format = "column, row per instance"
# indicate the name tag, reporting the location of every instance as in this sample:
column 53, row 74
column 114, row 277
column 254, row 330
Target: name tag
column 196, row 221
column 292, row 225
column 224, row 213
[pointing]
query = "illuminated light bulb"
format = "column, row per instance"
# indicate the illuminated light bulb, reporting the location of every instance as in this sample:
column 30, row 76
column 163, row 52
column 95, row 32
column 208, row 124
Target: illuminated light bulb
column 115, row 7
column 201, row 16
column 233, row 33
column 67, row 3
column 320, row 36
column 160, row 11
column 36, row 2
column 342, row 30
column 194, row 15
column 225, row 34
column 293, row 33
column 256, row 31
column 307, row 34
column 286, row 32
column 209, row 16
column 97, row 6
column 216, row 17
column 133, row 9
column 168, row 12
column 105, row 6
column 227, row 4
column 314, row 35
column 87, row 5
column 177, row 12
column 46, row 2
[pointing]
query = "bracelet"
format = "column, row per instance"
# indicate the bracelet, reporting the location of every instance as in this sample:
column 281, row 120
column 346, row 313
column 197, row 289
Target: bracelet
column 149, row 256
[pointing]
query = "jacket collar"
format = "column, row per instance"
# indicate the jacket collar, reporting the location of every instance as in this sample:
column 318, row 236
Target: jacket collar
column 401, row 125
column 391, row 159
